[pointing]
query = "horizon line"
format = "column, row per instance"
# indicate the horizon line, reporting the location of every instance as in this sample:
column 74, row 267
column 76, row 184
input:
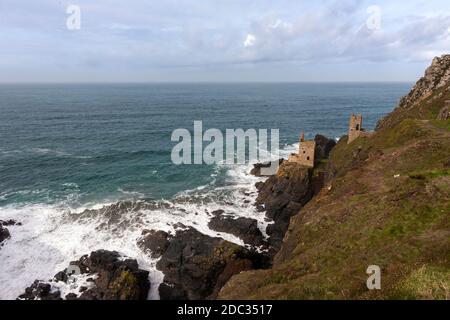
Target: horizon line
column 202, row 82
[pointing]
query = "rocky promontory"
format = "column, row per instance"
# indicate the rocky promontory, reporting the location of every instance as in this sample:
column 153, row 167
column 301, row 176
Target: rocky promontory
column 195, row 265
column 385, row 203
column 381, row 200
column 282, row 195
column 108, row 276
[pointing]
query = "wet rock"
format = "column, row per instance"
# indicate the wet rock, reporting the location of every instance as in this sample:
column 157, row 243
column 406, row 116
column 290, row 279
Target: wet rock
column 196, row 266
column 40, row 291
column 282, row 196
column 61, row 276
column 256, row 171
column 154, row 242
column 114, row 278
column 4, row 234
column 243, row 228
column 71, row 296
column 217, row 213
column 10, row 222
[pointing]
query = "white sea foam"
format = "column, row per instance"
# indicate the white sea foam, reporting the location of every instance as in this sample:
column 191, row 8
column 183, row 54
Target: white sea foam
column 51, row 236
column 135, row 194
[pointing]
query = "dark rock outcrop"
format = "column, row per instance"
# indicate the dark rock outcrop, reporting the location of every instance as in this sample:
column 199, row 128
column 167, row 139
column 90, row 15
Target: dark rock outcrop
column 436, row 78
column 285, row 193
column 113, row 278
column 444, row 114
column 256, row 171
column 282, row 196
column 4, row 234
column 196, row 266
column 154, row 242
column 40, row 290
column 323, row 147
column 244, row 228
column 11, row 222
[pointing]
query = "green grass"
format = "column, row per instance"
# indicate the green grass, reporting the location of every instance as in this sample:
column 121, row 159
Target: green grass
column 430, row 174
column 442, row 124
column 388, row 206
column 427, row 282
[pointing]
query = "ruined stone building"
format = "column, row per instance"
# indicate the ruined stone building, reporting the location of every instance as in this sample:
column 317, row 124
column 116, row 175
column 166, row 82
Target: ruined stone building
column 306, row 153
column 355, row 129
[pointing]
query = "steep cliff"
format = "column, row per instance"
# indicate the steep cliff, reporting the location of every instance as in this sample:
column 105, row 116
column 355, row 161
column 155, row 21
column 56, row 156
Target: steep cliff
column 386, row 203
column 427, row 97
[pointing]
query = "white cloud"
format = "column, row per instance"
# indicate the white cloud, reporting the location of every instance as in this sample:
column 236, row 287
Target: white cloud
column 144, row 36
column 249, row 40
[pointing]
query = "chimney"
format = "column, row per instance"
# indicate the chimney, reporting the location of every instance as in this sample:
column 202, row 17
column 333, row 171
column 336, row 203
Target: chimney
column 302, row 137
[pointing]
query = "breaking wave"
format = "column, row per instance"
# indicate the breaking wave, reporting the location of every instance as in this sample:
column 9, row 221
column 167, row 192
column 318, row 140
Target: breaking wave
column 51, row 236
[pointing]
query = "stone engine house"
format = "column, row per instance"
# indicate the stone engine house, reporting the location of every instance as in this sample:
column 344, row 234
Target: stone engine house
column 306, row 153
column 355, row 129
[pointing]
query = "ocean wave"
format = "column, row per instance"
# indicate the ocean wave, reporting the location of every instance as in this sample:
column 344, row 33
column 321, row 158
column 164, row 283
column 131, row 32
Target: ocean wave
column 131, row 193
column 53, row 235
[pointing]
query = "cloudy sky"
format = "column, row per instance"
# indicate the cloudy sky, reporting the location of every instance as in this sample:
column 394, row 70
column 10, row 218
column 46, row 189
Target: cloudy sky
column 220, row 40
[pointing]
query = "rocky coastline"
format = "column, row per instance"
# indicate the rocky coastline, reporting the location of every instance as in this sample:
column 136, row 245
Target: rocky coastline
column 333, row 196
column 195, row 266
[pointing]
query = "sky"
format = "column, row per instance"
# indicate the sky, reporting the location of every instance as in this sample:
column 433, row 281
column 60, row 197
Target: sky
column 220, row 40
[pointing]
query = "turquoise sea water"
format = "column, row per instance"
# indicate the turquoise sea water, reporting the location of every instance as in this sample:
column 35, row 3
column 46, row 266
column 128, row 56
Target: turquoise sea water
column 85, row 143
column 67, row 148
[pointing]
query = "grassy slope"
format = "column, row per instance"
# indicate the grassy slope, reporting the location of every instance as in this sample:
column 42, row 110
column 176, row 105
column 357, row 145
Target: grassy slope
column 388, row 205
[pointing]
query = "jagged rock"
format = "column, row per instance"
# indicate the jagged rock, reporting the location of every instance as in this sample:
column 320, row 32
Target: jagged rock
column 10, row 222
column 436, row 77
column 444, row 114
column 282, row 196
column 4, row 234
column 243, row 228
column 256, row 171
column 119, row 216
column 196, row 266
column 113, row 277
column 154, row 242
column 217, row 212
column 323, row 147
column 40, row 291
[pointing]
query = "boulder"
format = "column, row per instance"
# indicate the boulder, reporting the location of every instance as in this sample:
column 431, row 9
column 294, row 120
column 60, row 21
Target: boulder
column 113, row 278
column 11, row 222
column 40, row 291
column 4, row 234
column 154, row 242
column 256, row 171
column 244, row 228
column 196, row 266
column 444, row 114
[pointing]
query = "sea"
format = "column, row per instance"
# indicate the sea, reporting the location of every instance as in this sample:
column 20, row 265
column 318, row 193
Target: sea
column 67, row 148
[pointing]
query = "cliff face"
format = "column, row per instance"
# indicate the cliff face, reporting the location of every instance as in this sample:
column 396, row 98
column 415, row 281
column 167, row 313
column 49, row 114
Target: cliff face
column 387, row 203
column 426, row 98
